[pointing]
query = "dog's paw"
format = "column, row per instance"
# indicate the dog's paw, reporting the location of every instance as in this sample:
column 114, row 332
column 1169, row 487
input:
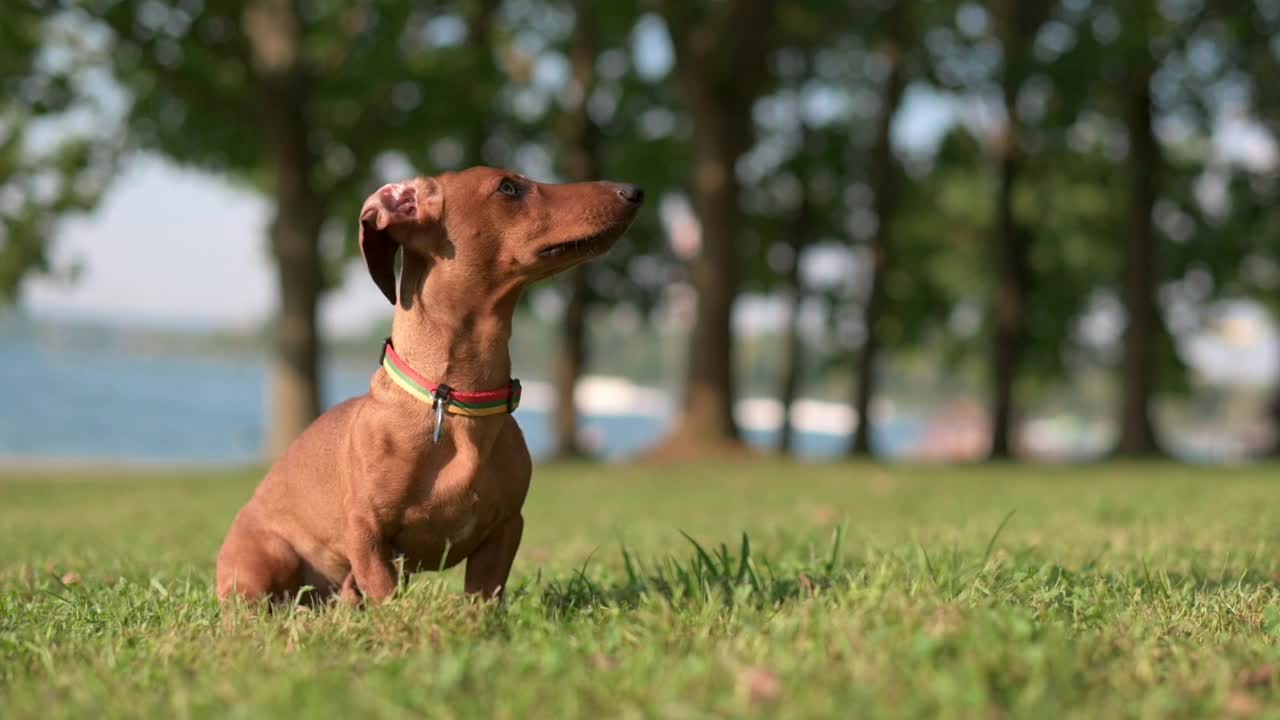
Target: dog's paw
column 350, row 594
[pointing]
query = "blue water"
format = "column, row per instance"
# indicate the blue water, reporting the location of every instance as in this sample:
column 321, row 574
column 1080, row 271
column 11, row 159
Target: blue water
column 68, row 402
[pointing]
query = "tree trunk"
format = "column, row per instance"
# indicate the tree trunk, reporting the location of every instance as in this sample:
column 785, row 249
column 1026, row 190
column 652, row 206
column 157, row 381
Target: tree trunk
column 707, row 418
column 1013, row 241
column 274, row 31
column 793, row 342
column 793, row 360
column 1273, row 411
column 886, row 179
column 581, row 140
column 721, row 67
column 295, row 374
column 1137, row 434
column 865, row 367
column 480, row 25
column 570, row 365
column 1010, row 311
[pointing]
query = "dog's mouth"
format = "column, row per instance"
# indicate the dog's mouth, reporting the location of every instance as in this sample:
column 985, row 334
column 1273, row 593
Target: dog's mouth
column 590, row 245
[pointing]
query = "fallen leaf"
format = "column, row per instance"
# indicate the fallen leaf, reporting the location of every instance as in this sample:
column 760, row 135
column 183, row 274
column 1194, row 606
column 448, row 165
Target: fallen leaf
column 806, row 584
column 882, row 485
column 944, row 621
column 824, row 514
column 1258, row 677
column 760, row 685
column 1241, row 704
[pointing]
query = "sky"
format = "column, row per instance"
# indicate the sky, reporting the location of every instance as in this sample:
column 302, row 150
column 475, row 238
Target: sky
column 177, row 247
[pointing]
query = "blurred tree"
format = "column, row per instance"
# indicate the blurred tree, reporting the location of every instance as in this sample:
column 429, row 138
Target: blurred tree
column 1141, row 264
column 721, row 51
column 803, row 207
column 1255, row 33
column 1142, row 58
column 1016, row 26
column 1069, row 109
column 1261, row 268
column 939, row 294
column 1025, row 88
column 1141, row 51
column 312, row 103
column 1019, row 65
column 1237, row 96
column 480, row 18
column 800, row 234
column 580, row 139
column 611, row 113
column 790, row 201
column 896, row 40
column 58, row 146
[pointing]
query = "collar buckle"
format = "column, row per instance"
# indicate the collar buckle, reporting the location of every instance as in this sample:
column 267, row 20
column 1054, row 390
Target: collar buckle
column 513, row 393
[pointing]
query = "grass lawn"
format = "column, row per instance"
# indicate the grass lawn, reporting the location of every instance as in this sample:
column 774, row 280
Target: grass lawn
column 1111, row 591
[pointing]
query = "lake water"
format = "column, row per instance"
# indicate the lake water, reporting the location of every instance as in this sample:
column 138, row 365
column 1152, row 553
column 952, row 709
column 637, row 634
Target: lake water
column 60, row 402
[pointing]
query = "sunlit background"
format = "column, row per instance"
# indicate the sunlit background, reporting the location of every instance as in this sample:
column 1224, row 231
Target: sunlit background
column 141, row 328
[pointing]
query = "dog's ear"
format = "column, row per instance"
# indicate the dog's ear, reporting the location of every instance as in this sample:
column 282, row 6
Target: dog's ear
column 408, row 214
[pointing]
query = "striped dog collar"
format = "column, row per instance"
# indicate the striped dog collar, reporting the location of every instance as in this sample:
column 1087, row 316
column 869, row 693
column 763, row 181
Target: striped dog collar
column 444, row 398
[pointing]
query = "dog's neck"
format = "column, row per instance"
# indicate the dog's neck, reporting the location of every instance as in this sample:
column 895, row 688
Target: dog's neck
column 453, row 335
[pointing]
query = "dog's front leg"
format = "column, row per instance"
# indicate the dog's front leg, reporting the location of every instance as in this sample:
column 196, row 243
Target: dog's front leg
column 490, row 564
column 370, row 558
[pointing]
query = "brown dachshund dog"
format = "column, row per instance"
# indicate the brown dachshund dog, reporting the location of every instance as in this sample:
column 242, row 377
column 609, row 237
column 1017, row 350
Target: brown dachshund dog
column 430, row 464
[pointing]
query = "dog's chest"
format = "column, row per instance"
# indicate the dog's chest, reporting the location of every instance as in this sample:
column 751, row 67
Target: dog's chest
column 454, row 515
column 450, row 513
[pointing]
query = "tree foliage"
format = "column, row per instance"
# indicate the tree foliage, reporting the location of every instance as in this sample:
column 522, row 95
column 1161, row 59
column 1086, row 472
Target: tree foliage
column 1077, row 172
column 57, row 150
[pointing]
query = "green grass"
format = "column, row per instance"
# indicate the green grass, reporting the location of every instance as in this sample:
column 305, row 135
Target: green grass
column 799, row 591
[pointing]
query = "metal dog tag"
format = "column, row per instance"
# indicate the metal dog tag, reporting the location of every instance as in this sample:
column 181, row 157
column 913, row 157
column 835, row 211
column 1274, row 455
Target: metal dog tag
column 443, row 395
column 439, row 419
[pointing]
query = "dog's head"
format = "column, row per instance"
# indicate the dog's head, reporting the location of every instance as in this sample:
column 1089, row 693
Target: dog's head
column 492, row 226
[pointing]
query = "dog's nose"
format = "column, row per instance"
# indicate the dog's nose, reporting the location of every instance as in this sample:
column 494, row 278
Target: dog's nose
column 633, row 194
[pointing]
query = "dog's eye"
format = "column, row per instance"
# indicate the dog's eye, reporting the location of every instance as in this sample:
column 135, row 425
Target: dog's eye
column 508, row 188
